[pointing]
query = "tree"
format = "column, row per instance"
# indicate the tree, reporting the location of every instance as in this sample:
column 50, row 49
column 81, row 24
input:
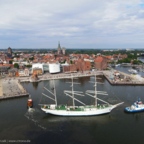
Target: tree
column 10, row 62
column 31, row 58
column 16, row 65
column 28, row 66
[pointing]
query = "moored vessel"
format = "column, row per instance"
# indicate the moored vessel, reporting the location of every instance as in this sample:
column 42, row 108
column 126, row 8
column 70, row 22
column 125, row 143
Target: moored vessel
column 133, row 71
column 29, row 102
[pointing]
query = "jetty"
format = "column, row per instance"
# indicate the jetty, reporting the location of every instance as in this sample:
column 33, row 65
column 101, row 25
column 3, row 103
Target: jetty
column 61, row 76
column 120, row 79
column 123, row 78
column 11, row 88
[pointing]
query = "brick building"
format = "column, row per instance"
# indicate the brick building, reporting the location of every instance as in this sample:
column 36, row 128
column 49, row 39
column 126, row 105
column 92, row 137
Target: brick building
column 100, row 63
column 79, row 65
column 69, row 68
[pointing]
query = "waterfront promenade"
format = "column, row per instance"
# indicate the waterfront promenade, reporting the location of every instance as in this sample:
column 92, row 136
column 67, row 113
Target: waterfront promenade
column 11, row 87
column 48, row 76
column 1, row 89
column 128, row 79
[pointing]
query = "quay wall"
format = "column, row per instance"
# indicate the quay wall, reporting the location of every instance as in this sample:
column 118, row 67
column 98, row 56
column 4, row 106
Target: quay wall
column 12, row 88
column 62, row 76
column 1, row 88
column 133, row 80
column 14, row 96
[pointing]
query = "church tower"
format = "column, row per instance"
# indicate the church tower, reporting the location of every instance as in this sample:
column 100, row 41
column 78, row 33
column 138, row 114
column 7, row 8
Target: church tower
column 59, row 51
column 9, row 52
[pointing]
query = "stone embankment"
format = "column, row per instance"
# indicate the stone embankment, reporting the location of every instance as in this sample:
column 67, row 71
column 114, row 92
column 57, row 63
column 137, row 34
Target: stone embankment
column 11, row 88
column 128, row 79
column 1, row 89
column 61, row 76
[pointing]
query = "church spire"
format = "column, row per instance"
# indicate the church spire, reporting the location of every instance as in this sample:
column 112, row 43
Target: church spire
column 59, row 47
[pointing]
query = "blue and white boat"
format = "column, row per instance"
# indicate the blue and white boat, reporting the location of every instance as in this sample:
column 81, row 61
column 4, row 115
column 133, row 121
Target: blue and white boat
column 138, row 106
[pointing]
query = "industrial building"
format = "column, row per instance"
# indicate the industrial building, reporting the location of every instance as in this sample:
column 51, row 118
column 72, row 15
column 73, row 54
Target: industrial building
column 39, row 68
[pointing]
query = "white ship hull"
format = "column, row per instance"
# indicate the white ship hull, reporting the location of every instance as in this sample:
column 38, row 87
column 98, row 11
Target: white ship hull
column 86, row 112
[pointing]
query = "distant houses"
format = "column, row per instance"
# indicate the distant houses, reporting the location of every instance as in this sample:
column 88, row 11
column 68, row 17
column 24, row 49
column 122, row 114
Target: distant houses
column 36, row 63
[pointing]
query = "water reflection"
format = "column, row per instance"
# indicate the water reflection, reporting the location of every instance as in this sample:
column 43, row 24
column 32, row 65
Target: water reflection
column 35, row 84
column 96, row 119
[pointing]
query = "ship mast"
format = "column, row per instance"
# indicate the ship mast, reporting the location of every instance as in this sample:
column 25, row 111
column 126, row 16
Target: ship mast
column 72, row 93
column 95, row 92
column 53, row 93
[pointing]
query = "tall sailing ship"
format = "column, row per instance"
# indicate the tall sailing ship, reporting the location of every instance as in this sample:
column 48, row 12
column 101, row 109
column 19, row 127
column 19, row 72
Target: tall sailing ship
column 73, row 110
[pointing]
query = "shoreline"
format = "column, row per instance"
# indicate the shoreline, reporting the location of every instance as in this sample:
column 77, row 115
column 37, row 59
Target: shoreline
column 11, row 87
column 133, row 80
column 1, row 88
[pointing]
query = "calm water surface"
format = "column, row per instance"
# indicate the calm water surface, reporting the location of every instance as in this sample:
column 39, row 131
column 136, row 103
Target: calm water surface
column 118, row 127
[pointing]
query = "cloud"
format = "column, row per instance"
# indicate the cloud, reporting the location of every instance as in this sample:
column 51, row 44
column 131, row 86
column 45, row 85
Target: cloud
column 77, row 23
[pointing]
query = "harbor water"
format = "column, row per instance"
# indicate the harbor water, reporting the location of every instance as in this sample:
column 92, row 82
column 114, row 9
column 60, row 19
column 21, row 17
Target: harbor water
column 18, row 124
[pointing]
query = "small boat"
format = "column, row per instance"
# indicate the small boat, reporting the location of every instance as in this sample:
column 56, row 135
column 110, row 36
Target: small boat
column 133, row 71
column 30, row 102
column 138, row 106
column 118, row 65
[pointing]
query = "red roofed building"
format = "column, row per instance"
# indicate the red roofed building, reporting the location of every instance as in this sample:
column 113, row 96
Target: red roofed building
column 79, row 65
column 83, row 65
column 69, row 68
column 100, row 63
column 110, row 58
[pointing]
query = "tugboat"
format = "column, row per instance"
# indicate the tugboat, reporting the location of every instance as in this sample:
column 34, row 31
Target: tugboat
column 30, row 102
column 138, row 106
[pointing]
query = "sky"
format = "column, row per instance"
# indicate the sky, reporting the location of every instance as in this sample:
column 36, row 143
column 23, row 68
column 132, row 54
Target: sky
column 75, row 23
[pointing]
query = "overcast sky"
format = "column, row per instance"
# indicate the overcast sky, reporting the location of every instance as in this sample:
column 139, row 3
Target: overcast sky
column 75, row 23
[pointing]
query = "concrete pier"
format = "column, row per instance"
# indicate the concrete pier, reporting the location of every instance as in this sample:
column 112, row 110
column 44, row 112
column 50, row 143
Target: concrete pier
column 11, row 88
column 129, row 79
column 61, row 76
column 1, row 88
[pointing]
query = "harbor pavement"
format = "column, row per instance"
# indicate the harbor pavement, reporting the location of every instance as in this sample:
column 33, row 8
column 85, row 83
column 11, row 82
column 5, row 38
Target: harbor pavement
column 10, row 87
column 1, row 88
